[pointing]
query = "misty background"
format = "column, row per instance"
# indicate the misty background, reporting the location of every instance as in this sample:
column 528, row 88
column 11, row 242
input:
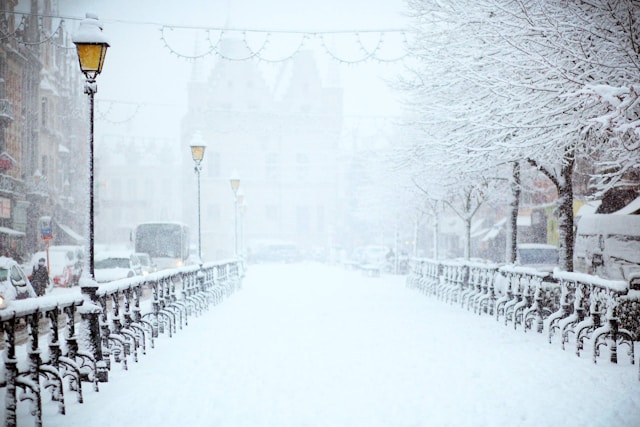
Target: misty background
column 295, row 121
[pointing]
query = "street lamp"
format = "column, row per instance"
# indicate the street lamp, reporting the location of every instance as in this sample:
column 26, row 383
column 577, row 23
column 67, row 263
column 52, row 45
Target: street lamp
column 235, row 184
column 242, row 206
column 91, row 45
column 197, row 153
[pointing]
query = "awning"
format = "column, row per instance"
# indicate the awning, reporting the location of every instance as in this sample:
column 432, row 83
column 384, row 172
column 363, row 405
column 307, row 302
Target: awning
column 70, row 233
column 11, row 232
column 495, row 230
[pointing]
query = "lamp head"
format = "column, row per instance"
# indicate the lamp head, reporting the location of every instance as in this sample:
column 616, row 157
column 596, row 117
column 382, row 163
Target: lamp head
column 197, row 152
column 197, row 148
column 91, row 44
column 234, row 181
column 240, row 197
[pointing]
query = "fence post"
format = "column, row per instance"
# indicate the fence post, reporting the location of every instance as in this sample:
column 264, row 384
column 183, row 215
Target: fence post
column 90, row 312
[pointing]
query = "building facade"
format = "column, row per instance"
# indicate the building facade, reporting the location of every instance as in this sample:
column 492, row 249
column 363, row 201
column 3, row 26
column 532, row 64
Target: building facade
column 43, row 128
column 280, row 137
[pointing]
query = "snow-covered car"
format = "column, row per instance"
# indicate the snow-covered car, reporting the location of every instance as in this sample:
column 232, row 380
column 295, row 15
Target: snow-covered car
column 65, row 264
column 275, row 251
column 608, row 245
column 110, row 266
column 540, row 256
column 14, row 284
column 146, row 263
column 371, row 255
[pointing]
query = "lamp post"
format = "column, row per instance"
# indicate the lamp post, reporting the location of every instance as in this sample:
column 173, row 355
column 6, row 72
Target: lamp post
column 197, row 153
column 91, row 45
column 239, row 212
column 235, row 184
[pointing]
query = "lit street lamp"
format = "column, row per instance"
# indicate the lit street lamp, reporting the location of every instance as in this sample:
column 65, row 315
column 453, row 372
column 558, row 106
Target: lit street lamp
column 197, row 153
column 92, row 46
column 235, row 184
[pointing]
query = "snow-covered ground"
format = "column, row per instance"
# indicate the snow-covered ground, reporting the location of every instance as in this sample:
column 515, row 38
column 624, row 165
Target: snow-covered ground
column 312, row 345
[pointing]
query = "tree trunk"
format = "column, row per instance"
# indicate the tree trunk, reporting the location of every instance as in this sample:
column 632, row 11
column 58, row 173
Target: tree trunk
column 565, row 215
column 512, row 223
column 467, row 238
column 435, row 235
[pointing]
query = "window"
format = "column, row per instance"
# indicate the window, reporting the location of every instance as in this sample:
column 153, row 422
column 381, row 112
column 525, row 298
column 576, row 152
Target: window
column 16, row 275
column 43, row 113
column 302, row 219
column 320, row 218
column 271, row 167
column 5, row 208
column 302, row 167
column 44, row 165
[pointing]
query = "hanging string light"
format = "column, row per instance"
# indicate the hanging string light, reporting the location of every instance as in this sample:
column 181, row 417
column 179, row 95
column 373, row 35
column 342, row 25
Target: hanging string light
column 106, row 113
column 360, row 53
column 260, row 52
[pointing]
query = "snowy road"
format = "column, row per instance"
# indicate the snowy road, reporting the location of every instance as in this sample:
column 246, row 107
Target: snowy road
column 311, row 345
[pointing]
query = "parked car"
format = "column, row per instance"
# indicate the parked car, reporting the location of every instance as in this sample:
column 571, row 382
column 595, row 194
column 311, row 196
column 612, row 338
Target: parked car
column 540, row 256
column 146, row 263
column 372, row 255
column 14, row 283
column 275, row 251
column 65, row 264
column 110, row 266
column 608, row 245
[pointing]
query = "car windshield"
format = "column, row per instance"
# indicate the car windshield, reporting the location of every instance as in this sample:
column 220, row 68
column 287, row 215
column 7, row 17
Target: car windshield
column 4, row 274
column 538, row 256
column 112, row 263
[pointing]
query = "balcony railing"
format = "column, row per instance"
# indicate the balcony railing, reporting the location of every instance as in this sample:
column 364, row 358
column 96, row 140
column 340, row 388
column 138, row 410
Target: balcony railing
column 6, row 110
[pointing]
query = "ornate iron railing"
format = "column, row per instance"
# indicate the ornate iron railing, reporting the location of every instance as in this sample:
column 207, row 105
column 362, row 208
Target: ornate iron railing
column 112, row 323
column 585, row 309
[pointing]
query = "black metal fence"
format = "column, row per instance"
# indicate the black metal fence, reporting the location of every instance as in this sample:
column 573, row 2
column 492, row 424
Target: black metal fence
column 573, row 308
column 113, row 323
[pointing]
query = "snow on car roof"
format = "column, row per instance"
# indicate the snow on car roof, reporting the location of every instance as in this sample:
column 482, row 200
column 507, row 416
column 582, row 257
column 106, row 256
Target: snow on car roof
column 536, row 246
column 6, row 262
column 113, row 254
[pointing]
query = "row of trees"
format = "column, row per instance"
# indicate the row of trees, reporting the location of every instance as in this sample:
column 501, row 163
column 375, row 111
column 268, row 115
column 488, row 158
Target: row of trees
column 502, row 90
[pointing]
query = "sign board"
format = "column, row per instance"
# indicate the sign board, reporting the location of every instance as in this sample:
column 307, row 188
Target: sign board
column 44, row 224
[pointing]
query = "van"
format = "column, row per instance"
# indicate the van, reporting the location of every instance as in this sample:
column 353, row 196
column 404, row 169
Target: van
column 608, row 246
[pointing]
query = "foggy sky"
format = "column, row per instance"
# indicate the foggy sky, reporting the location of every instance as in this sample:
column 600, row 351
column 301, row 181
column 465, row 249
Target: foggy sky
column 147, row 82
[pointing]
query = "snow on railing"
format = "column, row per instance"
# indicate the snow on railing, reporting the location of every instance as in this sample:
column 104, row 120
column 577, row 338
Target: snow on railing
column 593, row 310
column 110, row 323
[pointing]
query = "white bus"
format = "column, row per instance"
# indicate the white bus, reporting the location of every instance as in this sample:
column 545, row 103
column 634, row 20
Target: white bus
column 167, row 242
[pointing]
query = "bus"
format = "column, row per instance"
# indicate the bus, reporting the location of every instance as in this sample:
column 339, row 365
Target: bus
column 166, row 242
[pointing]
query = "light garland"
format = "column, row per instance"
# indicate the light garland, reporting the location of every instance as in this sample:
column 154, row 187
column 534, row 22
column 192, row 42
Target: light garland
column 103, row 115
column 364, row 54
column 259, row 53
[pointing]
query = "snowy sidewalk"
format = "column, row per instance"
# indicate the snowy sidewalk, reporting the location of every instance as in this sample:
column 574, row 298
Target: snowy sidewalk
column 312, row 345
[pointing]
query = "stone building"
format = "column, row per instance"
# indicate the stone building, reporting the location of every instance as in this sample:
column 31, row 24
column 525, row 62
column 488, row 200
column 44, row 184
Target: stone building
column 282, row 139
column 43, row 128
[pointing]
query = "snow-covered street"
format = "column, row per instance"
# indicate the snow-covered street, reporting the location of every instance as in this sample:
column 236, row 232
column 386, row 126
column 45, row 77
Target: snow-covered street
column 315, row 345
